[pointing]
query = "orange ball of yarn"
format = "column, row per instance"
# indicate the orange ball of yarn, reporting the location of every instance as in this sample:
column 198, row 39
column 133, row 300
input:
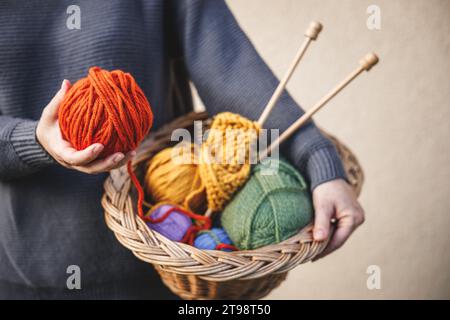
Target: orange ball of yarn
column 107, row 108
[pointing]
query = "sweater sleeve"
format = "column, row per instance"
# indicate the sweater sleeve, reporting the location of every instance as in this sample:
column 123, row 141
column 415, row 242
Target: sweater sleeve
column 20, row 152
column 230, row 76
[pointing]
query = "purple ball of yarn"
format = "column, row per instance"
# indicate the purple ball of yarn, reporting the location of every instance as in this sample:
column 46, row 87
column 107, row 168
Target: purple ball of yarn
column 174, row 227
column 209, row 239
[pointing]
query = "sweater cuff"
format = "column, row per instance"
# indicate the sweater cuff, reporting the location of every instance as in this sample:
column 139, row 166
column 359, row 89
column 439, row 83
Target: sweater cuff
column 324, row 165
column 26, row 146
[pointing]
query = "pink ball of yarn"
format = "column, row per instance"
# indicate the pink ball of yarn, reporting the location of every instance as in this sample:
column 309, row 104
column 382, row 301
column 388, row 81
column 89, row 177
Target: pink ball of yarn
column 174, row 226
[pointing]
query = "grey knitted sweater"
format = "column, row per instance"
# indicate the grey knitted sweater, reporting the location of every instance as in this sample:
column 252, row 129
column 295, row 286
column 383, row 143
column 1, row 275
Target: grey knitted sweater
column 50, row 217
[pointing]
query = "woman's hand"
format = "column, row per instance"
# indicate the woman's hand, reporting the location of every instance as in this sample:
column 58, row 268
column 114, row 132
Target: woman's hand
column 335, row 199
column 49, row 136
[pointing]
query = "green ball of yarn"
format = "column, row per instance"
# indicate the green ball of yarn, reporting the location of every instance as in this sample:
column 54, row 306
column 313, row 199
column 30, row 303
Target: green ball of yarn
column 270, row 208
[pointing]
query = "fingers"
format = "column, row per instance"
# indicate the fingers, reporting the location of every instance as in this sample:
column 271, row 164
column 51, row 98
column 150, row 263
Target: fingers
column 102, row 165
column 349, row 220
column 130, row 155
column 86, row 160
column 107, row 164
column 51, row 110
column 73, row 157
column 340, row 236
column 323, row 214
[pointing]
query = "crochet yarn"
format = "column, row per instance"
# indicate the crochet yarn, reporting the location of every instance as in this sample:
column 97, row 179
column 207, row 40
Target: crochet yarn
column 168, row 179
column 170, row 222
column 225, row 159
column 214, row 239
column 107, row 108
column 270, row 208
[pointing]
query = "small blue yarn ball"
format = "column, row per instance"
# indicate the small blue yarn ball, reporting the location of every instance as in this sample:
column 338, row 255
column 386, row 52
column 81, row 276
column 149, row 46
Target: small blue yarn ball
column 209, row 239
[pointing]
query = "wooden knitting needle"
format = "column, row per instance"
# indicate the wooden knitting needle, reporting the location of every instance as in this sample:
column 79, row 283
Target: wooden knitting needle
column 311, row 34
column 365, row 64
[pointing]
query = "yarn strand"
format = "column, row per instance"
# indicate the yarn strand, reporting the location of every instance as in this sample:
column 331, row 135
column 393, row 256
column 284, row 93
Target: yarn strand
column 191, row 232
column 139, row 189
column 221, row 246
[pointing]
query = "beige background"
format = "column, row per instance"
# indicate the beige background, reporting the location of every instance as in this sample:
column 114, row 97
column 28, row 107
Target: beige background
column 396, row 120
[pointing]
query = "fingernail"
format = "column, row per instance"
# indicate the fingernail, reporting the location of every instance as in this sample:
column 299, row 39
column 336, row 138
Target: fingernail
column 319, row 234
column 98, row 148
column 132, row 154
column 118, row 158
column 63, row 84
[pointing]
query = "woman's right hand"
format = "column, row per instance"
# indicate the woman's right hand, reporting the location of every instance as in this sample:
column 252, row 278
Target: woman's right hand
column 49, row 136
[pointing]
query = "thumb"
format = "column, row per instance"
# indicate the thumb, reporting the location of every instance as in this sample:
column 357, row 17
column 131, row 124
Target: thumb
column 323, row 214
column 51, row 110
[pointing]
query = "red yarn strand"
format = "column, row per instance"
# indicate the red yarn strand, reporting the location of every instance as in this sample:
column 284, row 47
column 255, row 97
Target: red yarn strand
column 139, row 190
column 221, row 246
column 192, row 230
column 190, row 233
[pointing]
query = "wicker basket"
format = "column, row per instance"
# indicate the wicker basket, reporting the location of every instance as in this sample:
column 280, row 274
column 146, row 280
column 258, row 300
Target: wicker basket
column 206, row 274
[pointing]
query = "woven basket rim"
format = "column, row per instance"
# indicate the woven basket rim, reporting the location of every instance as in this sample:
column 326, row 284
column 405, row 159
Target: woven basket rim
column 213, row 265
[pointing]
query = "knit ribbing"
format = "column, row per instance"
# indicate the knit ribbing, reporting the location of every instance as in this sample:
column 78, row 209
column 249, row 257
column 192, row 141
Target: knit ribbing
column 24, row 142
column 324, row 165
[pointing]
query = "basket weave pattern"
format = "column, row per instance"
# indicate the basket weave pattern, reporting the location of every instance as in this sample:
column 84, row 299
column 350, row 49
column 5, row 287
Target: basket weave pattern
column 199, row 274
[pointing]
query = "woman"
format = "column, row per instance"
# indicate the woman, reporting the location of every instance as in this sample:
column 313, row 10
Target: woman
column 50, row 213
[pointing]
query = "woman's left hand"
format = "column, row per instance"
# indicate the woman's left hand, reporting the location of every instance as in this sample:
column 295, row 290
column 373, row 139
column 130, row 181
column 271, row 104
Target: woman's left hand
column 335, row 199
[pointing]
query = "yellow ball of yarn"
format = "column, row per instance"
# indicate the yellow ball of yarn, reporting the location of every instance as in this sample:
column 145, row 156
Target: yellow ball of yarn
column 170, row 180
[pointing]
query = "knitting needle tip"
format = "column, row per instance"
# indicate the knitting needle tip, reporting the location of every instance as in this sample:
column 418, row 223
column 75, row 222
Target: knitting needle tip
column 313, row 30
column 369, row 61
